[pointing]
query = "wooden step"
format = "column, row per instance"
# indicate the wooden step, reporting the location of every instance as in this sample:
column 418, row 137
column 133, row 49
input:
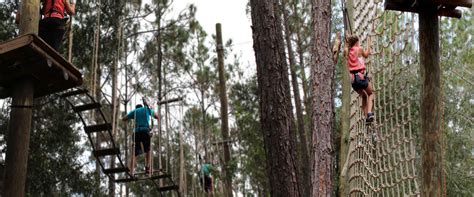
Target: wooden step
column 105, row 152
column 168, row 188
column 142, row 178
column 97, row 128
column 152, row 177
column 161, row 176
column 86, row 107
column 125, row 180
column 115, row 170
column 72, row 93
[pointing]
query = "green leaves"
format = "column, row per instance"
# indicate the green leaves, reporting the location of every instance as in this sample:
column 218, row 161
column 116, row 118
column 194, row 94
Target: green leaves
column 456, row 62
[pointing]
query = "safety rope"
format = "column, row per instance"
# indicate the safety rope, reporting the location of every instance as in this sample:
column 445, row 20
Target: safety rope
column 382, row 156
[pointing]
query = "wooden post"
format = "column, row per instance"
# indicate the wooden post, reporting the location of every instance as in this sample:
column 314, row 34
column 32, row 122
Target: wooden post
column 29, row 17
column 69, row 39
column 224, row 111
column 16, row 160
column 18, row 139
column 432, row 153
column 346, row 105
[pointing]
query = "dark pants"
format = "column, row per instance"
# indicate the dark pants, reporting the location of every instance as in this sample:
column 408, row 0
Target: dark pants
column 52, row 30
column 360, row 84
column 207, row 183
column 142, row 138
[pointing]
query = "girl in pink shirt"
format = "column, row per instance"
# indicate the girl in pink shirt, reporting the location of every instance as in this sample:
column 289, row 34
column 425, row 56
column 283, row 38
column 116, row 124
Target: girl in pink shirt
column 359, row 79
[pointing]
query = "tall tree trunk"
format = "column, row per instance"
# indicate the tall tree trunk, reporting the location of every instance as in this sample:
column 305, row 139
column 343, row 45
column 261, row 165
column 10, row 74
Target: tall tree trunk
column 114, row 95
column 159, row 65
column 167, row 128
column 275, row 98
column 125, row 104
column 224, row 112
column 346, row 107
column 203, row 124
column 300, row 51
column 95, row 83
column 303, row 155
column 182, row 167
column 322, row 75
column 433, row 178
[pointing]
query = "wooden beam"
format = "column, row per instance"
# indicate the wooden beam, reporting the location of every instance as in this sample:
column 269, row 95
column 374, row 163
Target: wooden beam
column 454, row 3
column 449, row 12
column 170, row 101
column 406, row 7
column 26, row 56
column 73, row 76
column 14, row 44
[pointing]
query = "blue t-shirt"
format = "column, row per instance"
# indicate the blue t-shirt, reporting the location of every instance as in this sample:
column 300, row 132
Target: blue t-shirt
column 206, row 169
column 142, row 121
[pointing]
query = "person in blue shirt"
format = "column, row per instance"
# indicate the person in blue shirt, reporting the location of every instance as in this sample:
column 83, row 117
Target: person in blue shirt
column 206, row 178
column 142, row 133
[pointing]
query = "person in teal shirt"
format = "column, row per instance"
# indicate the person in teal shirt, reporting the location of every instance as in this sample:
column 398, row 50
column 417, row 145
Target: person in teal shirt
column 142, row 133
column 206, row 178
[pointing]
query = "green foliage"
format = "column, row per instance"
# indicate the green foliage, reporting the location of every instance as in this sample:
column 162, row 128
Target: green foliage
column 245, row 107
column 55, row 146
column 457, row 55
column 7, row 21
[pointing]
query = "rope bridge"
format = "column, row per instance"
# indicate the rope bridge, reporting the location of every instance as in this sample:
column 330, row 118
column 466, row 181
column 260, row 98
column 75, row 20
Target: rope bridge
column 382, row 156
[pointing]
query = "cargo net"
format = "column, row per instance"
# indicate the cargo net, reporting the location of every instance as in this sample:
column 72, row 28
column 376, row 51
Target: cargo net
column 382, row 156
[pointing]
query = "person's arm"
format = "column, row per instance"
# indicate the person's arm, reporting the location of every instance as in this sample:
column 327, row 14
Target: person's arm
column 156, row 115
column 366, row 52
column 128, row 116
column 70, row 6
column 125, row 118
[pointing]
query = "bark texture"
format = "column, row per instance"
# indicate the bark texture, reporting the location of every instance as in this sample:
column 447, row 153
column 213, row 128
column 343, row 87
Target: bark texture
column 275, row 100
column 224, row 112
column 322, row 75
column 432, row 152
column 303, row 155
column 18, row 142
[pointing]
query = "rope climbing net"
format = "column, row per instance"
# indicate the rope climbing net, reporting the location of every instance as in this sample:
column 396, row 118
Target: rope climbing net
column 382, row 156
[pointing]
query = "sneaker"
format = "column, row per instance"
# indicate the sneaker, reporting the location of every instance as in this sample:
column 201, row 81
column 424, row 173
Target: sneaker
column 370, row 117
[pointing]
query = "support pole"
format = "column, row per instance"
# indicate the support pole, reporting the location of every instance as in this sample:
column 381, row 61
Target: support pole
column 29, row 17
column 18, row 139
column 16, row 160
column 224, row 111
column 433, row 177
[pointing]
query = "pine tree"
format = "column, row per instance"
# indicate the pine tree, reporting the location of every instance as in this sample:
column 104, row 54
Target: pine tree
column 322, row 75
column 275, row 98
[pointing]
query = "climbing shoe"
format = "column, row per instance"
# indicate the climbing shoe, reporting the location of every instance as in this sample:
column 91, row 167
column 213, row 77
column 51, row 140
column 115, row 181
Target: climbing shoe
column 370, row 117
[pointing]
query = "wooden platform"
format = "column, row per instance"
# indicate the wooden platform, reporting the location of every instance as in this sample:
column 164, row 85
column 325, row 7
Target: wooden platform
column 445, row 7
column 29, row 56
